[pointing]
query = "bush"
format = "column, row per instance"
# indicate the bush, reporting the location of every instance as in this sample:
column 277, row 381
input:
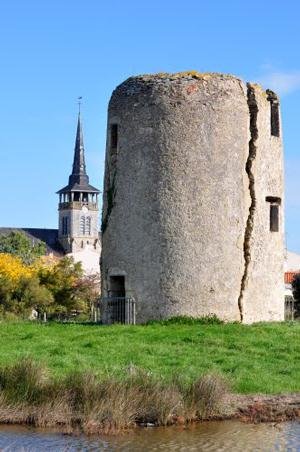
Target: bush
column 57, row 288
column 210, row 319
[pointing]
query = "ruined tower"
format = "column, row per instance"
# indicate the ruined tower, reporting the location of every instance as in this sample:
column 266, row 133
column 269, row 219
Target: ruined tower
column 192, row 216
column 78, row 207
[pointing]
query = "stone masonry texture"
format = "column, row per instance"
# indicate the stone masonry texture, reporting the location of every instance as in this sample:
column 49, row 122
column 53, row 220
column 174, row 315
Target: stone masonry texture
column 185, row 217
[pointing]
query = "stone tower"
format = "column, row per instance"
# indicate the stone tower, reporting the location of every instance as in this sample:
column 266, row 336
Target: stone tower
column 193, row 198
column 78, row 205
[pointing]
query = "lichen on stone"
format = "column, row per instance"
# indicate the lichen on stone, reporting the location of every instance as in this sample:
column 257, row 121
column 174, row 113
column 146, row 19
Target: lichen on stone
column 184, row 74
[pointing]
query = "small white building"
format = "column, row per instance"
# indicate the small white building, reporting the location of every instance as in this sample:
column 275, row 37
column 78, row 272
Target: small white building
column 291, row 268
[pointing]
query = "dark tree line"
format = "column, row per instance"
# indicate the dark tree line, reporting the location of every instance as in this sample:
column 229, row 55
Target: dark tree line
column 296, row 294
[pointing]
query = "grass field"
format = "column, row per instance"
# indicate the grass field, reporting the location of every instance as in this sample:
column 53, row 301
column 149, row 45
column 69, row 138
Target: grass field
column 261, row 358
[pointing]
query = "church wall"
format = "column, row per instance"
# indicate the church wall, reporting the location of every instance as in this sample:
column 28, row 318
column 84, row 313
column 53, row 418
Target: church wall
column 89, row 258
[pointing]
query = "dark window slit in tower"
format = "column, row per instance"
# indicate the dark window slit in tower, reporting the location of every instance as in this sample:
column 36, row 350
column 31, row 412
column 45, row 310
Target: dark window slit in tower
column 274, row 113
column 274, row 212
column 114, row 136
column 275, row 119
column 274, row 218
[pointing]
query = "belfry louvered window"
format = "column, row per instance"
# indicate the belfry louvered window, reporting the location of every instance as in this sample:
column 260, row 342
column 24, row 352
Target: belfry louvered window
column 82, row 226
column 88, row 225
column 65, row 225
column 85, row 225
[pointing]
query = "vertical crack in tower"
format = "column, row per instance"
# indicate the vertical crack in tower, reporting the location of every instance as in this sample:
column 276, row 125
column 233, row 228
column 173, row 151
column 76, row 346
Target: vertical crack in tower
column 253, row 110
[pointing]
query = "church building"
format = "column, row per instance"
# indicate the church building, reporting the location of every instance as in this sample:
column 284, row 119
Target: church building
column 77, row 235
column 78, row 212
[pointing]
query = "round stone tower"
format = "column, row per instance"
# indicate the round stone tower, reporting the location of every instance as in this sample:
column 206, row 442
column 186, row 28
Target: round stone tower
column 192, row 219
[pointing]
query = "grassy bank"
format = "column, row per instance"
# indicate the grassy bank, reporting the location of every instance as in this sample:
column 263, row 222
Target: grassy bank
column 92, row 404
column 258, row 358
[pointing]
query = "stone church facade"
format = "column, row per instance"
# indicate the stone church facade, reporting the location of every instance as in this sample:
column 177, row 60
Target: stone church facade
column 78, row 212
column 77, row 235
column 193, row 202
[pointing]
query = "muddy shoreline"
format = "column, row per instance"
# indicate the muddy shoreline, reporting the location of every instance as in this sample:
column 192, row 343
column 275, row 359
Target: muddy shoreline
column 267, row 408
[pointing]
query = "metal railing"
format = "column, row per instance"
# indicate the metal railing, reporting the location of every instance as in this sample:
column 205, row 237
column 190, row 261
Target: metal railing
column 118, row 310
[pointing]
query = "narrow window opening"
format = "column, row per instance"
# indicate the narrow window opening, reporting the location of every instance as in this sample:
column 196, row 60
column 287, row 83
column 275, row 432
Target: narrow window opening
column 275, row 119
column 274, row 212
column 274, row 218
column 114, row 136
column 274, row 113
column 82, row 225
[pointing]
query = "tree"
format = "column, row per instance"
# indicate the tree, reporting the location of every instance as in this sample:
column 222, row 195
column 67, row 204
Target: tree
column 53, row 287
column 296, row 294
column 18, row 244
column 63, row 280
column 31, row 294
column 12, row 271
column 13, row 268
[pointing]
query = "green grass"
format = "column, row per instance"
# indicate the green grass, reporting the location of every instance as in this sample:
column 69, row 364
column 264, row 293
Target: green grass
column 261, row 358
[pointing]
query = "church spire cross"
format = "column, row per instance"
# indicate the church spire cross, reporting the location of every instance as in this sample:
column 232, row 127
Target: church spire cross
column 79, row 104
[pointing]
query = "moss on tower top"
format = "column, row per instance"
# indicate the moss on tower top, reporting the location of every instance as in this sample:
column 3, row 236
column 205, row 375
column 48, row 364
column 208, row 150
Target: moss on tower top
column 185, row 74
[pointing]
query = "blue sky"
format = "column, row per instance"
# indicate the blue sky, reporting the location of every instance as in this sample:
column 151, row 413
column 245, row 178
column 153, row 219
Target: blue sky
column 54, row 51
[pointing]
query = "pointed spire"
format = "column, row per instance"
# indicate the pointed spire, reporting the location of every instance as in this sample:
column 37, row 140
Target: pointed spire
column 78, row 180
column 79, row 175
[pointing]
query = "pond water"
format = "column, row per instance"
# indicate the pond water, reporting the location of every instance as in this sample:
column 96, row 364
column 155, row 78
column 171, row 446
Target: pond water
column 208, row 436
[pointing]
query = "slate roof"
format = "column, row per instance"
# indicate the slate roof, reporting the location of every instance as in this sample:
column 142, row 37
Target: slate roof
column 49, row 236
column 79, row 180
column 76, row 187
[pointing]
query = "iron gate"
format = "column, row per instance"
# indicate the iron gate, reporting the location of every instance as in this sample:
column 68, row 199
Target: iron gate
column 118, row 310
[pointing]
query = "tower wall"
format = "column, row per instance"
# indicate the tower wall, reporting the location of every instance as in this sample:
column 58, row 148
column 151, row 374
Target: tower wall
column 176, row 199
column 264, row 292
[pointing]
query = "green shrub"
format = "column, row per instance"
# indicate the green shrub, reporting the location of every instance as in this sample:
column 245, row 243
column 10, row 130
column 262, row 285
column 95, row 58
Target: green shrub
column 210, row 319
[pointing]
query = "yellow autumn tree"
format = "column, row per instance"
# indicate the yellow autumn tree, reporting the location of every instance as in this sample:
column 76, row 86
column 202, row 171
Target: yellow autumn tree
column 55, row 286
column 20, row 288
column 13, row 269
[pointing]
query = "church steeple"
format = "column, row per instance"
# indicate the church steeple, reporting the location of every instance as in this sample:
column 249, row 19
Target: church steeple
column 78, row 204
column 78, row 179
column 79, row 175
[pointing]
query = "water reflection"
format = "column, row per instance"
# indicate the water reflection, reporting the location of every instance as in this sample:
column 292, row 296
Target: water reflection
column 212, row 436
